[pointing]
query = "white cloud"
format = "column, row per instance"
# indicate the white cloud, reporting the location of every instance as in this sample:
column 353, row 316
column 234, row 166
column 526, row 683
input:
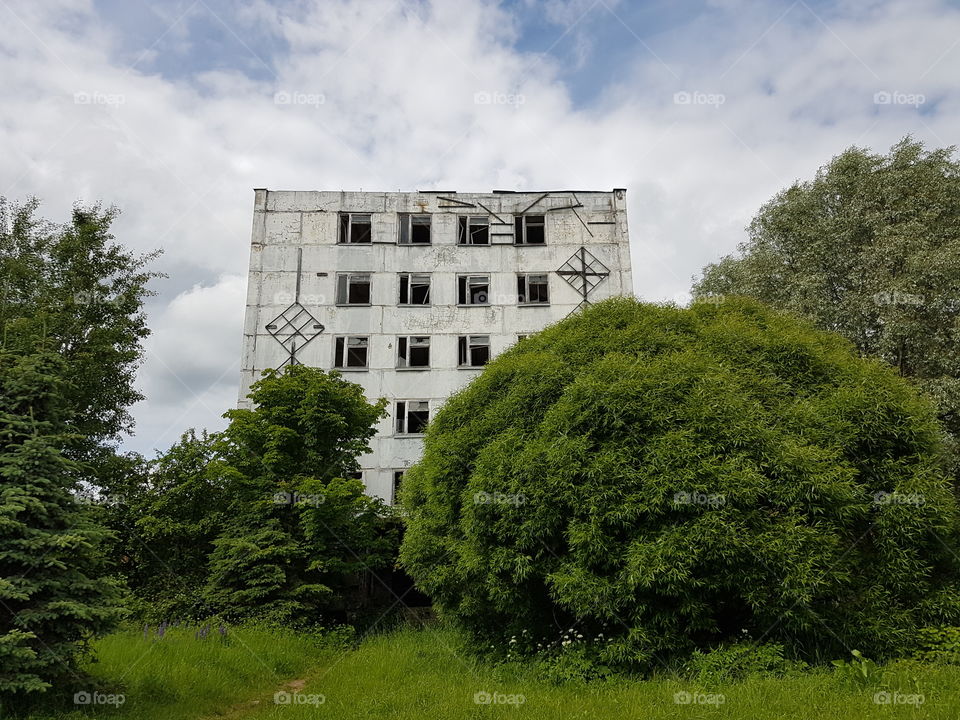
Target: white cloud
column 398, row 83
column 192, row 359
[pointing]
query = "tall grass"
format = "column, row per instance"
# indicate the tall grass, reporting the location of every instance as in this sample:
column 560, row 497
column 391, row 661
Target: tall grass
column 181, row 676
column 424, row 675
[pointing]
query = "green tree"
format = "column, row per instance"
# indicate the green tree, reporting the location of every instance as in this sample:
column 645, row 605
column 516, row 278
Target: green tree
column 88, row 292
column 297, row 531
column 53, row 593
column 870, row 249
column 165, row 515
column 673, row 478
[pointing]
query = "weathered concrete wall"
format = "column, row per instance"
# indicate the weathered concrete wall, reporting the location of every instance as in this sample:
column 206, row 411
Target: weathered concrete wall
column 287, row 221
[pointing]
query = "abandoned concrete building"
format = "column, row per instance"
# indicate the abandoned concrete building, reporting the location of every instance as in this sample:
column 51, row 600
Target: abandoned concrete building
column 409, row 294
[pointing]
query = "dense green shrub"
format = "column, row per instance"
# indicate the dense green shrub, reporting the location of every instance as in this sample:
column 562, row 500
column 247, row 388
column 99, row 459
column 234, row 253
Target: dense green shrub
column 683, row 475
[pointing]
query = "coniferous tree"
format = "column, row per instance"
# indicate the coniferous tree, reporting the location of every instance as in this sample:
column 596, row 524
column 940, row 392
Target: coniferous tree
column 54, row 597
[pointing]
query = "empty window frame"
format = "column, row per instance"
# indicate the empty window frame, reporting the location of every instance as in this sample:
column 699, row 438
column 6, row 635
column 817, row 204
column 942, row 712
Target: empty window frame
column 350, row 351
column 412, row 416
column 355, row 475
column 414, row 289
column 356, row 229
column 413, row 351
column 353, row 289
column 532, row 289
column 473, row 230
column 473, row 289
column 397, row 482
column 414, row 229
column 529, row 230
column 473, row 350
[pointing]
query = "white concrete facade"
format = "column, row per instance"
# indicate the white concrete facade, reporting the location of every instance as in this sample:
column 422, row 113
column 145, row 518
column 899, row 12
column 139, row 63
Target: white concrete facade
column 296, row 315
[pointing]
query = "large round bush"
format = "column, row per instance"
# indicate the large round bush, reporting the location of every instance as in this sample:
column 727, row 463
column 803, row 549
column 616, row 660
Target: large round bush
column 670, row 479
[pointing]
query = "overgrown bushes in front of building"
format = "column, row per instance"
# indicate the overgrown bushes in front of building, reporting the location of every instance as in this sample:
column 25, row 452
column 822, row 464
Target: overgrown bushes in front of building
column 655, row 481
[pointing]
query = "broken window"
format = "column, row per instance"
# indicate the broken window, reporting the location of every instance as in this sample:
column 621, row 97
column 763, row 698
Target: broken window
column 355, row 475
column 473, row 231
column 353, row 289
column 414, row 289
column 356, row 228
column 412, row 416
column 474, row 350
column 351, row 352
column 397, row 481
column 413, row 351
column 522, row 337
column 529, row 230
column 532, row 290
column 414, row 229
column 473, row 290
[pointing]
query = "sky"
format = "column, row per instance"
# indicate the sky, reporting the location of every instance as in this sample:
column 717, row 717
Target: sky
column 174, row 110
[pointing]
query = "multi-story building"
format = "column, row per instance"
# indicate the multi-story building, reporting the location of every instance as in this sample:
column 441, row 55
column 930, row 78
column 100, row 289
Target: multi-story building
column 409, row 294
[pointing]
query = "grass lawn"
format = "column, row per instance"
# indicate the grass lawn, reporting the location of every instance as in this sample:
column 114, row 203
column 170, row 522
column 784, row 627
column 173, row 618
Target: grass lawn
column 422, row 674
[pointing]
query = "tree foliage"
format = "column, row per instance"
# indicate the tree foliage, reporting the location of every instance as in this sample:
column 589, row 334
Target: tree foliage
column 297, row 531
column 165, row 515
column 870, row 249
column 53, row 593
column 676, row 478
column 87, row 291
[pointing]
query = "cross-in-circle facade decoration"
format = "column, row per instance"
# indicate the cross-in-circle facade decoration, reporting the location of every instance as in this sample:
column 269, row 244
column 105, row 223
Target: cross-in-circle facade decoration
column 584, row 272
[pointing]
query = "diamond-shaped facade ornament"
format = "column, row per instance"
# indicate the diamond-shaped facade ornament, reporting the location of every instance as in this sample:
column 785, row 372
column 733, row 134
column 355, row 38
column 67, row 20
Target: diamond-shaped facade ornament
column 584, row 272
column 294, row 328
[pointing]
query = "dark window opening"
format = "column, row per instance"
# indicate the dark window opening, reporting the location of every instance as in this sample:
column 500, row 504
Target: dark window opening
column 351, row 352
column 397, row 482
column 413, row 351
column 414, row 229
column 473, row 290
column 474, row 350
column 356, row 229
column 532, row 290
column 473, row 231
column 412, row 416
column 353, row 289
column 414, row 289
column 529, row 230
